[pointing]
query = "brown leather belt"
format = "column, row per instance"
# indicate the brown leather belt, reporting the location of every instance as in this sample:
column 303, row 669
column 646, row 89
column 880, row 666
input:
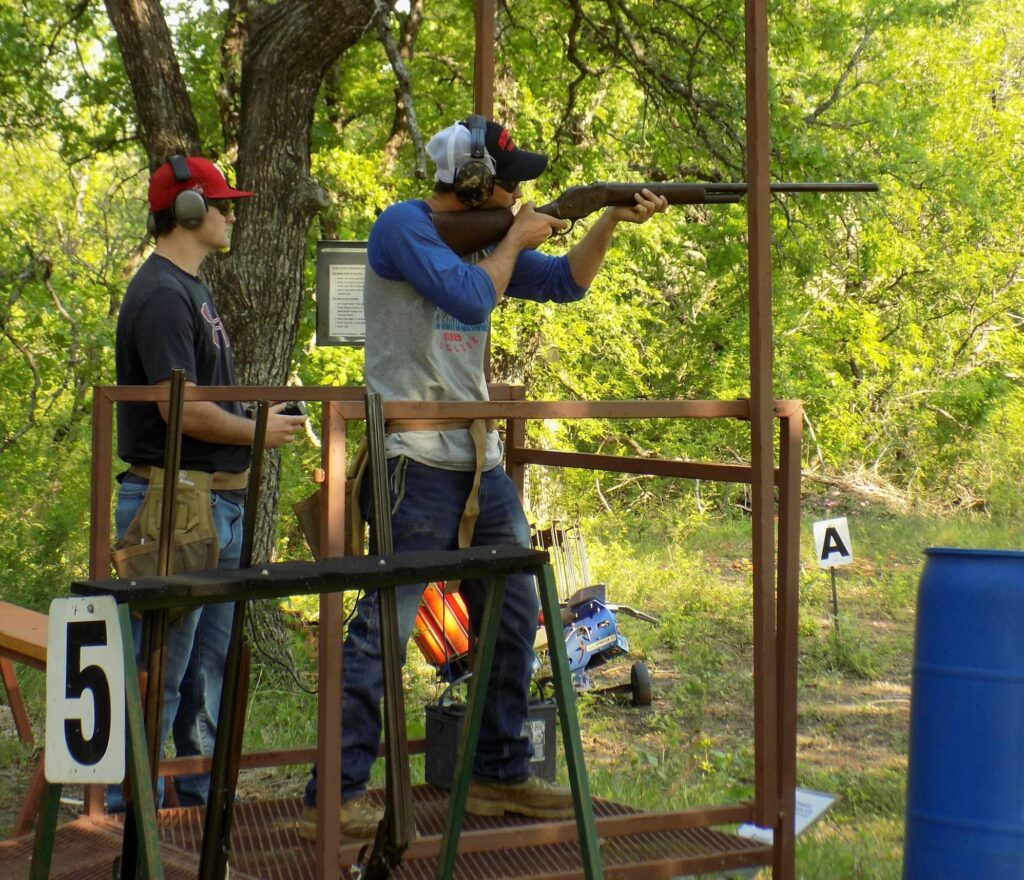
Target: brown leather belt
column 221, row 481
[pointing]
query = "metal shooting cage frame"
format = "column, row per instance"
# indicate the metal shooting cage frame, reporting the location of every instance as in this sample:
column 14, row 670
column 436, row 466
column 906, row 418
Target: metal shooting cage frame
column 773, row 474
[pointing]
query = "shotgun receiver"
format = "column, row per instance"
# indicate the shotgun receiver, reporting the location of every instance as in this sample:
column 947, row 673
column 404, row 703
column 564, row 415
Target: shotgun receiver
column 466, row 232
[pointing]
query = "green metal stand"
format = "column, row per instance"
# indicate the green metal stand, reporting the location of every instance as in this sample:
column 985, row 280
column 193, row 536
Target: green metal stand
column 470, row 729
column 565, row 697
column 140, row 825
column 565, row 700
column 42, row 848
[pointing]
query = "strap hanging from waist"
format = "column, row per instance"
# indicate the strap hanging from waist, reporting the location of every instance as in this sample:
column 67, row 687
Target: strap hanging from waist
column 478, row 430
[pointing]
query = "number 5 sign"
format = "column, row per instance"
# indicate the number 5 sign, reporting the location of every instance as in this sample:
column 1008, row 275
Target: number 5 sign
column 84, row 692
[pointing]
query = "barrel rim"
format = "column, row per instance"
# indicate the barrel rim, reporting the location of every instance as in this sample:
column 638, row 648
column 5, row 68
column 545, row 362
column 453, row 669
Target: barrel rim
column 968, row 551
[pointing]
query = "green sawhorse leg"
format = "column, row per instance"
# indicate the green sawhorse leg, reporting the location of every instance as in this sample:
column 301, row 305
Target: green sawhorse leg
column 565, row 698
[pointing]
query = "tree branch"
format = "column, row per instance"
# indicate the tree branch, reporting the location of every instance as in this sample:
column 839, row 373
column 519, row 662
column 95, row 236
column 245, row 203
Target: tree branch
column 405, row 111
column 837, row 91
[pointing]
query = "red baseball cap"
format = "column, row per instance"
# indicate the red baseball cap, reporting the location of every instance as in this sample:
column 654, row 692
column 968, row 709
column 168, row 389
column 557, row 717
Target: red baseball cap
column 204, row 177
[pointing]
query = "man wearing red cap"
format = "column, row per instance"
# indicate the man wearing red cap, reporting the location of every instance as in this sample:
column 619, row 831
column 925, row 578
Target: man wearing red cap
column 168, row 321
column 427, row 320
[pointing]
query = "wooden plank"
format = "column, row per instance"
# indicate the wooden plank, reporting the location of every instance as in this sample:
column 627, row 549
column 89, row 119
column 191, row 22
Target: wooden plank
column 23, row 635
column 543, row 833
column 33, row 798
column 15, row 701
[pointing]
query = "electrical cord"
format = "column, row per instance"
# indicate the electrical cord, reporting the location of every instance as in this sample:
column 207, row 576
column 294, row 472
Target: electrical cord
column 277, row 661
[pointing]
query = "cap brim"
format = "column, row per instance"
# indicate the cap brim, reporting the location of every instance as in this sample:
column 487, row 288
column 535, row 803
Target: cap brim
column 228, row 193
column 524, row 166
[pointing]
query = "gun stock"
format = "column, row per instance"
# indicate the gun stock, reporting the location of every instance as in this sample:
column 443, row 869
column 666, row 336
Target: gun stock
column 467, row 232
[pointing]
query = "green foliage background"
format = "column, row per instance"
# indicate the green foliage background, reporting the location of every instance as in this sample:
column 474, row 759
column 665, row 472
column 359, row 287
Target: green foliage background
column 898, row 316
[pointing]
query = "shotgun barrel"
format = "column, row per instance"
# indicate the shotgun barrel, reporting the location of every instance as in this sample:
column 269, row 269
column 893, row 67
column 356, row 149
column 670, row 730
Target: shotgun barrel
column 467, row 232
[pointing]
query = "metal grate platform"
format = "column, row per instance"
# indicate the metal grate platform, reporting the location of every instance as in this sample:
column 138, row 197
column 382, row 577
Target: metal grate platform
column 265, row 846
column 83, row 850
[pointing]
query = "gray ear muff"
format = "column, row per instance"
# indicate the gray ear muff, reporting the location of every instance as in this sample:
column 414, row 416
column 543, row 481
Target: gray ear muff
column 474, row 178
column 189, row 209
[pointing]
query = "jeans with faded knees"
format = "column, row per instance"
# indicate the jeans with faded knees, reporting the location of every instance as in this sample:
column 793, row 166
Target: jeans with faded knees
column 427, row 505
column 197, row 645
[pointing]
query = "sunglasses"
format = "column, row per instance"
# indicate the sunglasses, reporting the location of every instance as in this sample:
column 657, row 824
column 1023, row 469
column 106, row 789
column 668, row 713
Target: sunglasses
column 225, row 206
column 507, row 185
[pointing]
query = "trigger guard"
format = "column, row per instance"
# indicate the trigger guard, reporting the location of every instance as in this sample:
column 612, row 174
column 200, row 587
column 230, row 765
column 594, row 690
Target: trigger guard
column 566, row 231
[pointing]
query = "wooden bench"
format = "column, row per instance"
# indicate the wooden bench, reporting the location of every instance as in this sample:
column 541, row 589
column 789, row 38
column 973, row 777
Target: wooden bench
column 23, row 640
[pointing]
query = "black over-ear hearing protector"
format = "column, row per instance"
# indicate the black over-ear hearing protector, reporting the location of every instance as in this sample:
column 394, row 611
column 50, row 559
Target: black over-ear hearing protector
column 474, row 178
column 189, row 206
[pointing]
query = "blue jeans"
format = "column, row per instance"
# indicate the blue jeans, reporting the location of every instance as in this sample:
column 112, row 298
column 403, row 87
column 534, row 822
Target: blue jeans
column 426, row 507
column 197, row 645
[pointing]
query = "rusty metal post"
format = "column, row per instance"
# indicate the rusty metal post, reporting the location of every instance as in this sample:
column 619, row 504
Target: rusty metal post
column 483, row 93
column 790, row 430
column 515, row 439
column 332, row 512
column 99, row 522
column 483, row 64
column 762, row 423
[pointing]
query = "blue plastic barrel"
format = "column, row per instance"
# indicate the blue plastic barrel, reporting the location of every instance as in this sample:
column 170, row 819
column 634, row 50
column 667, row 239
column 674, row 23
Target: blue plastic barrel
column 965, row 781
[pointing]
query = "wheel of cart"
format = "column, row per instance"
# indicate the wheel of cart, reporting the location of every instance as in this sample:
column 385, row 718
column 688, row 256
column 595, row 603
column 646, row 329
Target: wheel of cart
column 640, row 683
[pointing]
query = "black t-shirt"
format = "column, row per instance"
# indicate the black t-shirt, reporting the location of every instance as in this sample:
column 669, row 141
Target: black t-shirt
column 167, row 322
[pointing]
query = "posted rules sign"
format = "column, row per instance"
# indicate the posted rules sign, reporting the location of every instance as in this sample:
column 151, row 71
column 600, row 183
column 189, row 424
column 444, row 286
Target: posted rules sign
column 832, row 545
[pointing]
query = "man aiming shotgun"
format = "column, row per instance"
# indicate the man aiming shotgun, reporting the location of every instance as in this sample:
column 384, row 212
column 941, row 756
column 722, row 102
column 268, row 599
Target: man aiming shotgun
column 466, row 234
column 428, row 315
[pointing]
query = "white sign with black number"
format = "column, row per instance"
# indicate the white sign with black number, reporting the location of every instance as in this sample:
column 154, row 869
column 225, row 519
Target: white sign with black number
column 84, row 692
column 832, row 545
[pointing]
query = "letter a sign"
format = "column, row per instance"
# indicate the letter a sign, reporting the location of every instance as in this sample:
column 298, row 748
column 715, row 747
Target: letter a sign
column 832, row 542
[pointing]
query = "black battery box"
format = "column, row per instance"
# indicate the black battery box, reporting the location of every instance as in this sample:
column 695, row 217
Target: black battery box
column 444, row 725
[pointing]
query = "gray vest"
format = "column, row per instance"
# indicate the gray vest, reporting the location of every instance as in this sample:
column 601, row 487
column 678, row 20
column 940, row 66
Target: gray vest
column 417, row 351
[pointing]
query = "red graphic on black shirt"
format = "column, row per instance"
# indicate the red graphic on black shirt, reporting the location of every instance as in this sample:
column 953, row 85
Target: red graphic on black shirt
column 217, row 331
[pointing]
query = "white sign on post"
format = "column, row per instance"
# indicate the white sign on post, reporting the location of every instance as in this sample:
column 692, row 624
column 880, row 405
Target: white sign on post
column 810, row 806
column 84, row 692
column 832, row 545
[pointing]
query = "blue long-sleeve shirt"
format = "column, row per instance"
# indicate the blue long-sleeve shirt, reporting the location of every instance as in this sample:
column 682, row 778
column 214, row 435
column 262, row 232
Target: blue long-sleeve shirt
column 404, row 246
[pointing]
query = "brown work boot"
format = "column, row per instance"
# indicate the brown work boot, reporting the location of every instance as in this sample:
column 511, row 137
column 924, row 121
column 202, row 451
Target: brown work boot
column 535, row 798
column 359, row 818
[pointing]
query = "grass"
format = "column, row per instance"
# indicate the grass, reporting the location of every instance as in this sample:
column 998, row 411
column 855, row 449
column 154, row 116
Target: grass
column 854, row 684
column 693, row 746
